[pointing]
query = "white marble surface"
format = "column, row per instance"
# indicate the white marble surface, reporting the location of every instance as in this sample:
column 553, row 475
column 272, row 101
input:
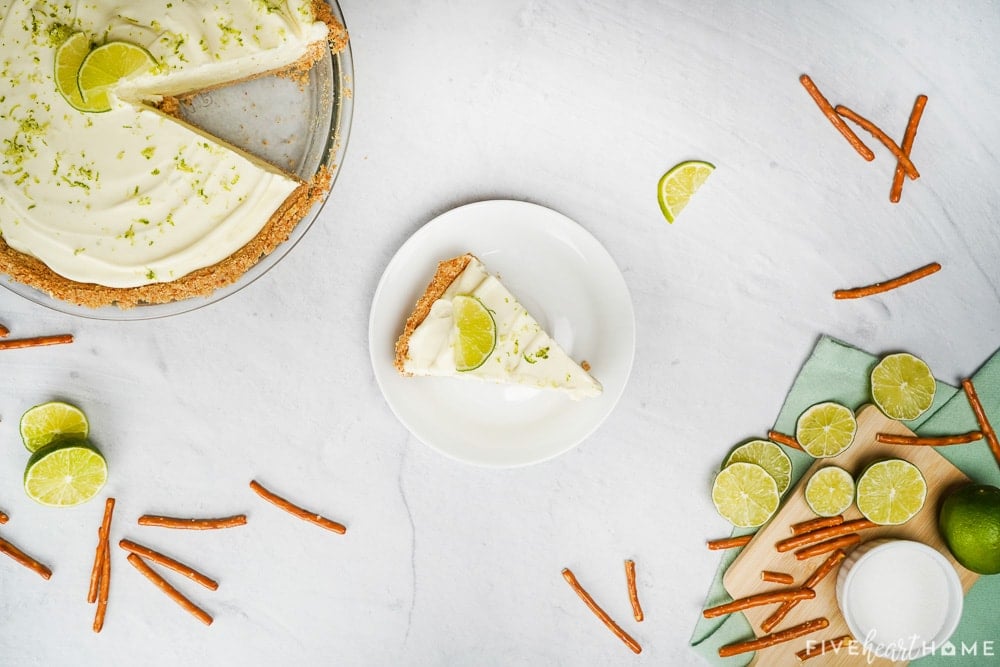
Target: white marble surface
column 579, row 105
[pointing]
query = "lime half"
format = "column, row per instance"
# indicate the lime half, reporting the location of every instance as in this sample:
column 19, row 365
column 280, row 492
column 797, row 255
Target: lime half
column 52, row 421
column 745, row 494
column 107, row 65
column 830, row 491
column 65, row 474
column 475, row 332
column 677, row 186
column 891, row 492
column 826, row 429
column 768, row 456
column 903, row 386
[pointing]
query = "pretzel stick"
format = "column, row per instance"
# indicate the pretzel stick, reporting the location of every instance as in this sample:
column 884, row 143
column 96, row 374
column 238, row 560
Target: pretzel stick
column 304, row 514
column 102, row 550
column 633, row 594
column 192, row 524
column 783, row 439
column 102, row 595
column 821, row 649
column 4, row 331
column 600, row 613
column 938, row 441
column 777, row 638
column 759, row 600
column 843, row 542
column 817, row 576
column 822, row 534
column 837, row 121
column 901, row 157
column 3, row 518
column 886, row 285
column 171, row 592
column 908, row 136
column 24, row 559
column 167, row 561
column 984, row 422
column 37, row 341
column 777, row 577
column 729, row 542
column 816, row 524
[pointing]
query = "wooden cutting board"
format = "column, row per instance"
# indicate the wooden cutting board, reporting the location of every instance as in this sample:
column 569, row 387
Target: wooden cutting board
column 743, row 576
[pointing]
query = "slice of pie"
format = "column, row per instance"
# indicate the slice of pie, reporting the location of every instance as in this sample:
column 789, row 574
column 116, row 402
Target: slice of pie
column 524, row 353
column 129, row 204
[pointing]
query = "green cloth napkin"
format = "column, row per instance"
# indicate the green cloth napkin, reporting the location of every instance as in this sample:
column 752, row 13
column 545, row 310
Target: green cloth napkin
column 838, row 372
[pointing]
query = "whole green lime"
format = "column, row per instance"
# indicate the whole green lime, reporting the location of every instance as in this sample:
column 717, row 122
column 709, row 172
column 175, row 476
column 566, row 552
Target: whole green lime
column 970, row 524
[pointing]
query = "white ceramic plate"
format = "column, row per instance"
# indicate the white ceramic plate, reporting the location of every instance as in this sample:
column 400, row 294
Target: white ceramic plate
column 564, row 277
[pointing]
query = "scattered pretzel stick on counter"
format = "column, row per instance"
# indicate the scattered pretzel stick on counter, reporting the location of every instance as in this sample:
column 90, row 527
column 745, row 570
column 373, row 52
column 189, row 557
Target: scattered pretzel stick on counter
column 600, row 613
column 838, row 122
column 295, row 510
column 837, row 543
column 633, row 594
column 823, row 648
column 816, row 524
column 813, row 536
column 873, row 129
column 729, row 542
column 783, row 439
column 759, row 600
column 885, row 286
column 4, row 331
column 104, row 589
column 984, row 422
column 777, row 577
column 767, row 641
column 24, row 559
column 37, row 341
column 817, row 576
column 167, row 561
column 4, row 518
column 101, row 552
column 171, row 592
column 192, row 524
column 896, row 191
column 929, row 441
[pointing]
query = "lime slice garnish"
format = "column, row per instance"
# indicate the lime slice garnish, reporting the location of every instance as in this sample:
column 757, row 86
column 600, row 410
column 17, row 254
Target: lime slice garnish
column 826, row 429
column 65, row 473
column 768, row 456
column 48, row 422
column 745, row 494
column 107, row 65
column 476, row 333
column 677, row 186
column 69, row 57
column 902, row 386
column 890, row 492
column 830, row 491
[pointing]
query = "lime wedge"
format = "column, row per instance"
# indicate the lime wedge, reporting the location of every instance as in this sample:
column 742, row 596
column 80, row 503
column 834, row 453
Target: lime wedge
column 476, row 333
column 65, row 473
column 69, row 57
column 902, row 386
column 826, row 429
column 677, row 186
column 107, row 65
column 48, row 422
column 768, row 456
column 745, row 495
column 890, row 492
column 830, row 491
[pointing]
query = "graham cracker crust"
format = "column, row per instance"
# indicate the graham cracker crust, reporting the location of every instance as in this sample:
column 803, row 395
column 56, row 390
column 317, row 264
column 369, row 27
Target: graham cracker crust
column 447, row 271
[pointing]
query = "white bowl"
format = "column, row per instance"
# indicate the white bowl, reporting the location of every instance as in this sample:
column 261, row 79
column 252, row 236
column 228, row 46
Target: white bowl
column 901, row 599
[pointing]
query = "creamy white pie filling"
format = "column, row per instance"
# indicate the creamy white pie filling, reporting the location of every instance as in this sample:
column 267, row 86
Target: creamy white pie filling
column 525, row 354
column 131, row 197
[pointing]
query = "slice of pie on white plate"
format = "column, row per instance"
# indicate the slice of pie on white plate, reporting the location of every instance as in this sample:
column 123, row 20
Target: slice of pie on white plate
column 524, row 354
